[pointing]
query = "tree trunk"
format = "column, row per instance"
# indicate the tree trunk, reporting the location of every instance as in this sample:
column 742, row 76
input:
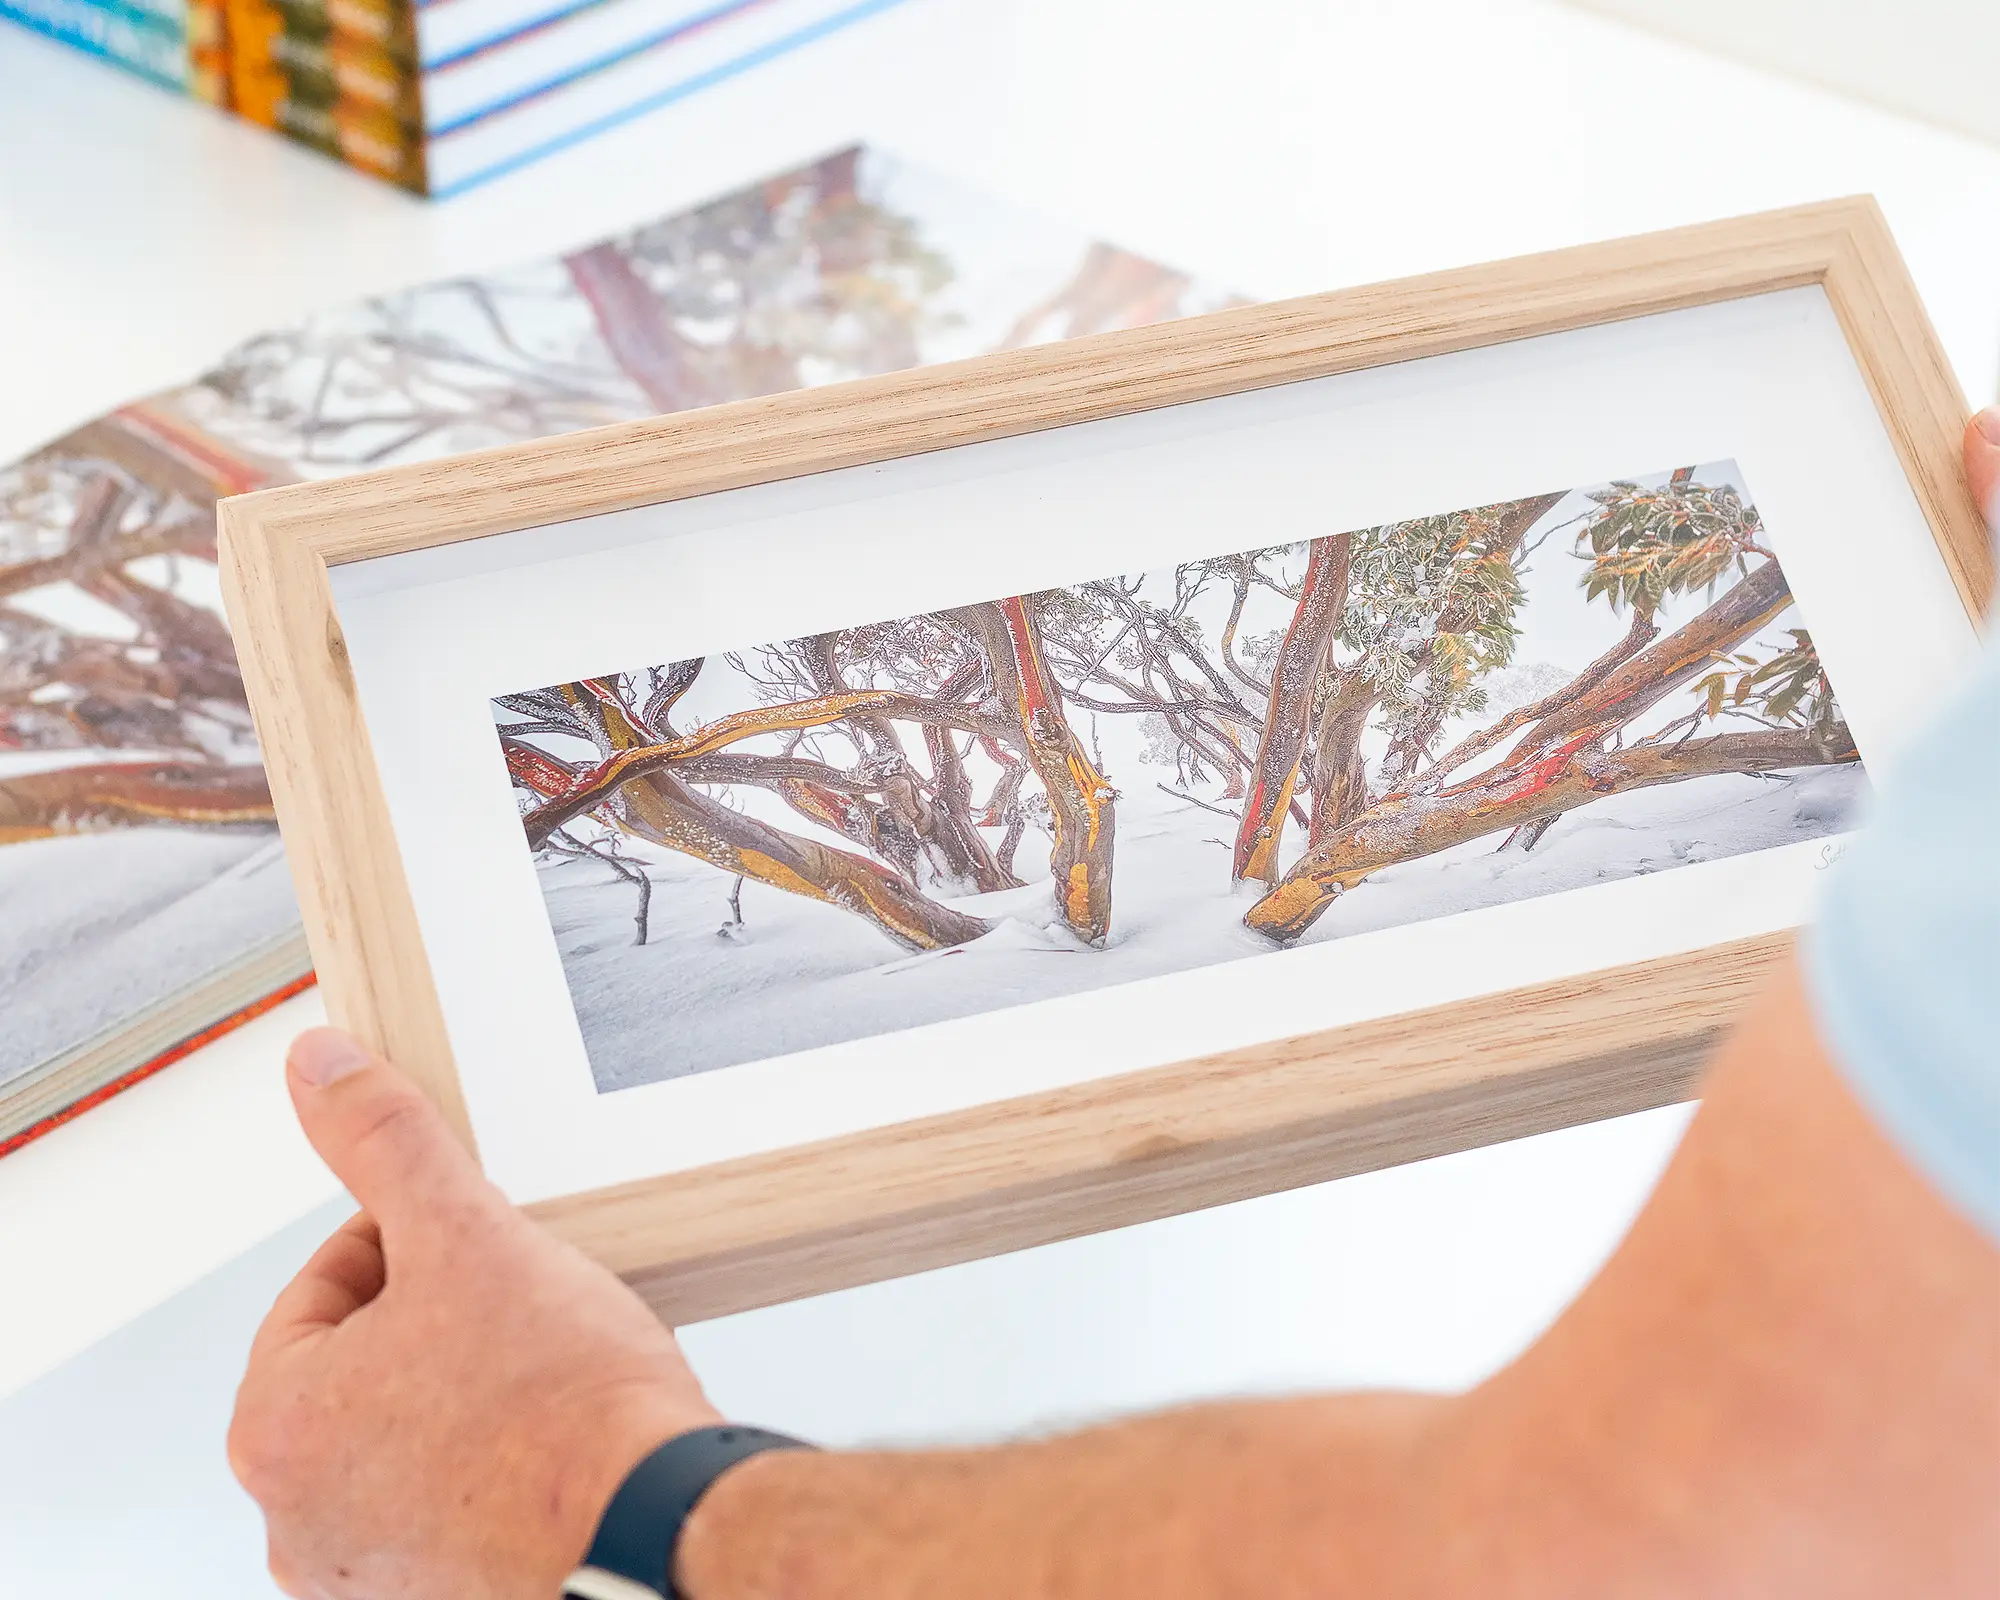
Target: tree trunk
column 193, row 643
column 1649, row 677
column 678, row 679
column 634, row 874
column 1339, row 775
column 682, row 819
column 1003, row 807
column 953, row 829
column 636, row 329
column 1227, row 647
column 1080, row 799
column 908, row 824
column 1527, row 836
column 536, row 770
column 1112, row 288
column 1545, row 760
column 630, row 754
column 82, row 799
column 880, row 739
column 1409, row 827
column 1283, row 741
column 1637, row 637
column 655, row 805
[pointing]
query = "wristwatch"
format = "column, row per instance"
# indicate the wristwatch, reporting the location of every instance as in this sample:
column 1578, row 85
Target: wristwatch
column 632, row 1557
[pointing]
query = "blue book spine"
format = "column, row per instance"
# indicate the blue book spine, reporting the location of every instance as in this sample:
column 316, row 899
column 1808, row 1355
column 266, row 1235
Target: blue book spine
column 144, row 42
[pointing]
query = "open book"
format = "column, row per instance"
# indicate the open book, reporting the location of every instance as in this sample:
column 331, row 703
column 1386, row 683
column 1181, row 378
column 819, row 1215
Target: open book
column 144, row 889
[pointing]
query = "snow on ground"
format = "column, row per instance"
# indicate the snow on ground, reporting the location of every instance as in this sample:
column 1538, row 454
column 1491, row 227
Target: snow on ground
column 801, row 974
column 97, row 928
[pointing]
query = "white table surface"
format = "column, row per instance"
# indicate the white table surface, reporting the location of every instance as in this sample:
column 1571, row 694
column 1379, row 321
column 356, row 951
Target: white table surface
column 1281, row 147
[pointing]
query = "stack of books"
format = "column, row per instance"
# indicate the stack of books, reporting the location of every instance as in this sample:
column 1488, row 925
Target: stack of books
column 178, row 44
column 437, row 95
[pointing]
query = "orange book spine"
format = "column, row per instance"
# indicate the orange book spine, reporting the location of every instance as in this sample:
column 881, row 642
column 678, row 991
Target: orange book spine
column 341, row 80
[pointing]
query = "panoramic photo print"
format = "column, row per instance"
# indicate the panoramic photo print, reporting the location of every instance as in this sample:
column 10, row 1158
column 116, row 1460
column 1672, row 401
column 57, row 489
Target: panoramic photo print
column 905, row 821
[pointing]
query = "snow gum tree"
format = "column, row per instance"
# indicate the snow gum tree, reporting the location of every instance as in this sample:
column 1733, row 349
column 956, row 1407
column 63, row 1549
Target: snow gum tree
column 108, row 657
column 1641, row 545
column 934, row 745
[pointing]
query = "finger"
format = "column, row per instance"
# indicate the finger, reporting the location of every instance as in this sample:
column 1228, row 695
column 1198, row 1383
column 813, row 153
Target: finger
column 344, row 1274
column 380, row 1136
column 1982, row 463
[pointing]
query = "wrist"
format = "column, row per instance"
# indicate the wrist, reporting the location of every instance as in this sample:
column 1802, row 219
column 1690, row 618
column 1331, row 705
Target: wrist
column 636, row 1549
column 735, row 1537
column 608, row 1443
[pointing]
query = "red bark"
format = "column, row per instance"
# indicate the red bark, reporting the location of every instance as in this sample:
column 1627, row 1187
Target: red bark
column 1642, row 633
column 1322, row 597
column 1641, row 683
column 536, row 769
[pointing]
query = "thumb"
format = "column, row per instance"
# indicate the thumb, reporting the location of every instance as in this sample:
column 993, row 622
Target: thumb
column 1982, row 463
column 375, row 1129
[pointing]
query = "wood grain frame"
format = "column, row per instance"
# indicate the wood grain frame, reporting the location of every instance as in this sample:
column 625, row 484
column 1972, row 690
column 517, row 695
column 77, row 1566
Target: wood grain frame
column 1146, row 1144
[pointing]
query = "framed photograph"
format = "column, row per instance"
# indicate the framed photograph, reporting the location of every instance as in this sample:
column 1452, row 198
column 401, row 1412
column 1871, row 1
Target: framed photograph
column 836, row 834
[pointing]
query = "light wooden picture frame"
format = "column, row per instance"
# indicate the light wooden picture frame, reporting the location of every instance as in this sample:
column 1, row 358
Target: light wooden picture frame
column 1022, row 1169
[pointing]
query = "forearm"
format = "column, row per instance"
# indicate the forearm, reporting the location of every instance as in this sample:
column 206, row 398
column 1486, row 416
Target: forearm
column 1782, row 1383
column 1277, row 1498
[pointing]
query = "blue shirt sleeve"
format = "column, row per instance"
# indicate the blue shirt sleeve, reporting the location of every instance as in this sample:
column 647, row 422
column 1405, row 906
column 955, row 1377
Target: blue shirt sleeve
column 1903, row 961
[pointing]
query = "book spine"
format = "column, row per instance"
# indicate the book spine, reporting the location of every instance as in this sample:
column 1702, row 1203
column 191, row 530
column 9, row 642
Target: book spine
column 323, row 71
column 147, row 43
column 170, row 14
column 363, row 136
column 343, row 83
column 208, row 51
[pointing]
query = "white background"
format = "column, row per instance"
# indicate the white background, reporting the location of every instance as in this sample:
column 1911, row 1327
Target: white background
column 433, row 635
column 1931, row 58
column 1281, row 147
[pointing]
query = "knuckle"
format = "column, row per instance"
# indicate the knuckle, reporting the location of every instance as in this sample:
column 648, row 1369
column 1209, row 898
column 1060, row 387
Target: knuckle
column 257, row 1452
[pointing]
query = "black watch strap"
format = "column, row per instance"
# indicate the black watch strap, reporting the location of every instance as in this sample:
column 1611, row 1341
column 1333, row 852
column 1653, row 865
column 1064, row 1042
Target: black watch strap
column 632, row 1557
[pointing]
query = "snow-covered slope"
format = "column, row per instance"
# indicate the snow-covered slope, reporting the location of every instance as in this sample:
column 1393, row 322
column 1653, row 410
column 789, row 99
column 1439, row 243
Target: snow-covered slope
column 799, row 973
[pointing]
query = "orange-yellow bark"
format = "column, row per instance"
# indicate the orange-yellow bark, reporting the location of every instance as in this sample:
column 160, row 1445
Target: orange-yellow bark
column 1080, row 799
column 1407, row 827
column 83, row 799
column 683, row 819
column 817, row 802
column 636, row 756
column 1262, row 862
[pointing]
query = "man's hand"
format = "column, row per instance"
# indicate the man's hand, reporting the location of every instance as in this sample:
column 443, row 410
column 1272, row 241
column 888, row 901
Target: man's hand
column 446, row 1397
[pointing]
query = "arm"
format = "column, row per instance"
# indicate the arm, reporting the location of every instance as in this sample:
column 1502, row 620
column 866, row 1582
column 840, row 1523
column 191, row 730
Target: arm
column 1783, row 1383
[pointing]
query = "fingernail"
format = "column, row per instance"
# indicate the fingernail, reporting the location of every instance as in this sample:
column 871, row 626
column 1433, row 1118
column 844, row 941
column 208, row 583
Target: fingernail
column 321, row 1056
column 1989, row 424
